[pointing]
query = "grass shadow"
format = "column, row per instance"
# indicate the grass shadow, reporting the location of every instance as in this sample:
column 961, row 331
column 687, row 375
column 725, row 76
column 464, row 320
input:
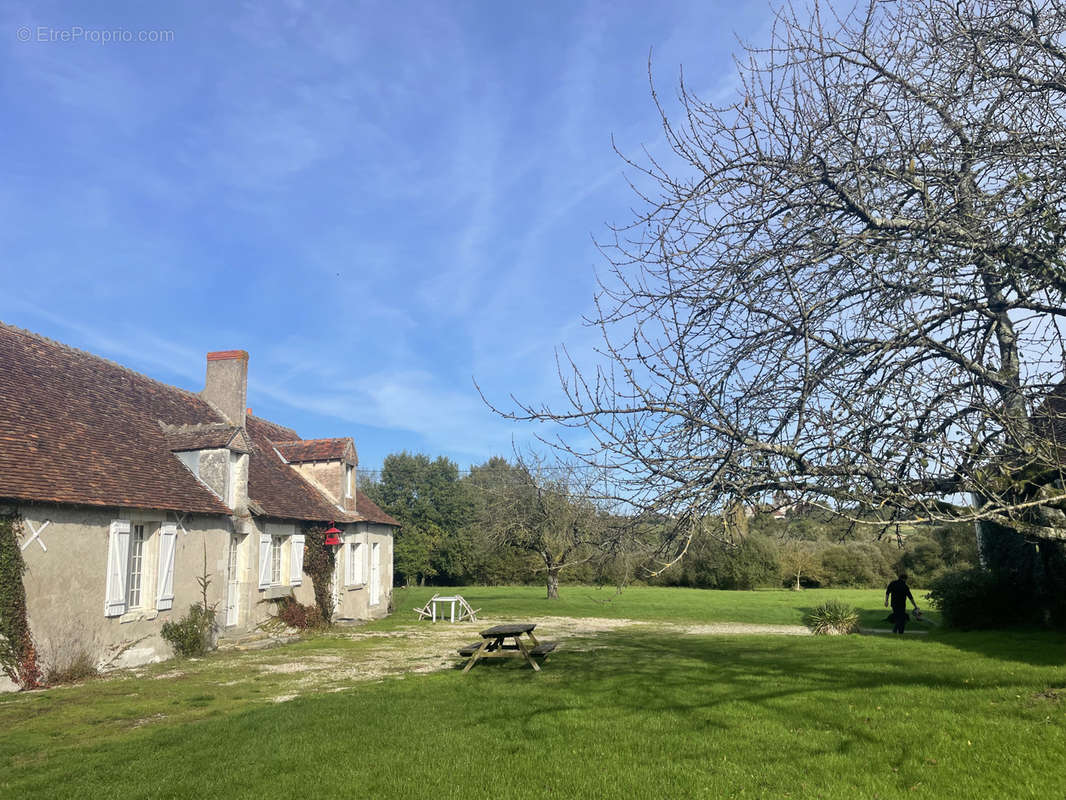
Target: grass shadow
column 1032, row 646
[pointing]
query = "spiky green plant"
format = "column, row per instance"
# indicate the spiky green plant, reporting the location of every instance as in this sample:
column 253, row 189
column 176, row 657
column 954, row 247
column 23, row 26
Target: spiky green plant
column 833, row 617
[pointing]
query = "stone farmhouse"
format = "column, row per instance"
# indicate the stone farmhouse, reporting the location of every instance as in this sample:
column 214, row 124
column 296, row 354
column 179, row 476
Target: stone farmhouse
column 130, row 490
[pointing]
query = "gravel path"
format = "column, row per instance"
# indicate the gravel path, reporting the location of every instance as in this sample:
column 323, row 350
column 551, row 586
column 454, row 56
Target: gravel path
column 420, row 647
column 427, row 647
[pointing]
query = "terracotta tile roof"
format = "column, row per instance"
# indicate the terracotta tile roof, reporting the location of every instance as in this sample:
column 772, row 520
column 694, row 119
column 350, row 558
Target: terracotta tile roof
column 274, row 432
column 368, row 511
column 75, row 428
column 212, row 436
column 302, row 450
column 278, row 489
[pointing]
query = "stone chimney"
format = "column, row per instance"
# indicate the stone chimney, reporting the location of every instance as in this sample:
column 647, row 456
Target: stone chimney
column 226, row 385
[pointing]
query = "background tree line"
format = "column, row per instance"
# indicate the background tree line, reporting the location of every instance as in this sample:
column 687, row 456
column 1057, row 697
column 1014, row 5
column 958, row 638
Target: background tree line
column 501, row 522
column 524, row 522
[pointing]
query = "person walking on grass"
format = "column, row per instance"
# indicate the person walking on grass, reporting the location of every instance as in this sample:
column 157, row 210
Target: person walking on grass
column 898, row 592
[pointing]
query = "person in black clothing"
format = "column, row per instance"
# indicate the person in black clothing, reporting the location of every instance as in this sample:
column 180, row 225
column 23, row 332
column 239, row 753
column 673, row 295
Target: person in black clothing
column 898, row 592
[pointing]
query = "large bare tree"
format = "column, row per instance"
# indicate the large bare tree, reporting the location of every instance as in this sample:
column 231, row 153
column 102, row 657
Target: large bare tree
column 847, row 285
column 546, row 509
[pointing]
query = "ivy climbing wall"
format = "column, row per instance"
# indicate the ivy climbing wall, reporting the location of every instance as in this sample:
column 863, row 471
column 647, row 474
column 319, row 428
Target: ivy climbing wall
column 18, row 655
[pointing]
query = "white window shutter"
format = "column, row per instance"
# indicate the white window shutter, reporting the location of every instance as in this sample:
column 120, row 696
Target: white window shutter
column 118, row 554
column 264, row 561
column 168, row 538
column 296, row 562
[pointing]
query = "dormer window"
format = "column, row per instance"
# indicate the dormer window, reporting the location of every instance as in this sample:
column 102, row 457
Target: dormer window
column 329, row 464
column 213, row 452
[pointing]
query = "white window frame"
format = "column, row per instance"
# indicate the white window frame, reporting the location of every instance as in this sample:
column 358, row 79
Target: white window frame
column 132, row 589
column 354, row 574
column 349, row 480
column 136, row 567
column 277, row 544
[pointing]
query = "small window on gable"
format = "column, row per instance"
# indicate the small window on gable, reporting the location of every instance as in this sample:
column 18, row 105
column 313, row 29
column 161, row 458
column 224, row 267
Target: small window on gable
column 349, row 480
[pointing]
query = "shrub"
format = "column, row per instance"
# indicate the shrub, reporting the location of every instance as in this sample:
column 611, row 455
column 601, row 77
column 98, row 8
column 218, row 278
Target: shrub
column 978, row 598
column 856, row 565
column 299, row 616
column 79, row 667
column 1035, row 572
column 958, row 544
column 752, row 563
column 191, row 634
column 921, row 560
column 70, row 654
column 712, row 564
column 833, row 617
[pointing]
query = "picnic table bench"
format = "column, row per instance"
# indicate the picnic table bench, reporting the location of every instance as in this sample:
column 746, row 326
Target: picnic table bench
column 505, row 641
column 542, row 649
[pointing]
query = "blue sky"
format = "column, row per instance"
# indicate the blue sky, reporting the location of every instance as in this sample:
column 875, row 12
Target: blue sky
column 379, row 201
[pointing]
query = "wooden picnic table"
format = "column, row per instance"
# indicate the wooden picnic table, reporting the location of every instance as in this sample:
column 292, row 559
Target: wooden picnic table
column 506, row 641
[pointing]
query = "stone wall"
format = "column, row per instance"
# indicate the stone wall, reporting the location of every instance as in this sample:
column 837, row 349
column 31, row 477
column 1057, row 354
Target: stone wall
column 66, row 585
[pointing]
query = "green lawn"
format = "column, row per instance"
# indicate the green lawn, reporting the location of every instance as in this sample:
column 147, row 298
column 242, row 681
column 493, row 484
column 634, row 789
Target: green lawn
column 655, row 603
column 631, row 714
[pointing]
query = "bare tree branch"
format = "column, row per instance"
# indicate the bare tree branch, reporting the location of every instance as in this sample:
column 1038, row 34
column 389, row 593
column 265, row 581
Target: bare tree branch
column 848, row 284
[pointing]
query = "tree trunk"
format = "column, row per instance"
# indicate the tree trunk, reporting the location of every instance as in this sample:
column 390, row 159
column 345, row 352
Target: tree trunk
column 798, row 587
column 553, row 584
column 421, row 580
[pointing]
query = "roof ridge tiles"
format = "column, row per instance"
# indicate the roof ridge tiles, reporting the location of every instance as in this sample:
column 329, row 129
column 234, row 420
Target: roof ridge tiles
column 276, row 427
column 196, row 427
column 312, row 441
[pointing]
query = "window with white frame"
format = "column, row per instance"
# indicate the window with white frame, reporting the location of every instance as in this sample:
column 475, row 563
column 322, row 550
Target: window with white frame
column 281, row 556
column 354, row 570
column 275, row 559
column 140, row 567
column 349, row 480
column 135, row 573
